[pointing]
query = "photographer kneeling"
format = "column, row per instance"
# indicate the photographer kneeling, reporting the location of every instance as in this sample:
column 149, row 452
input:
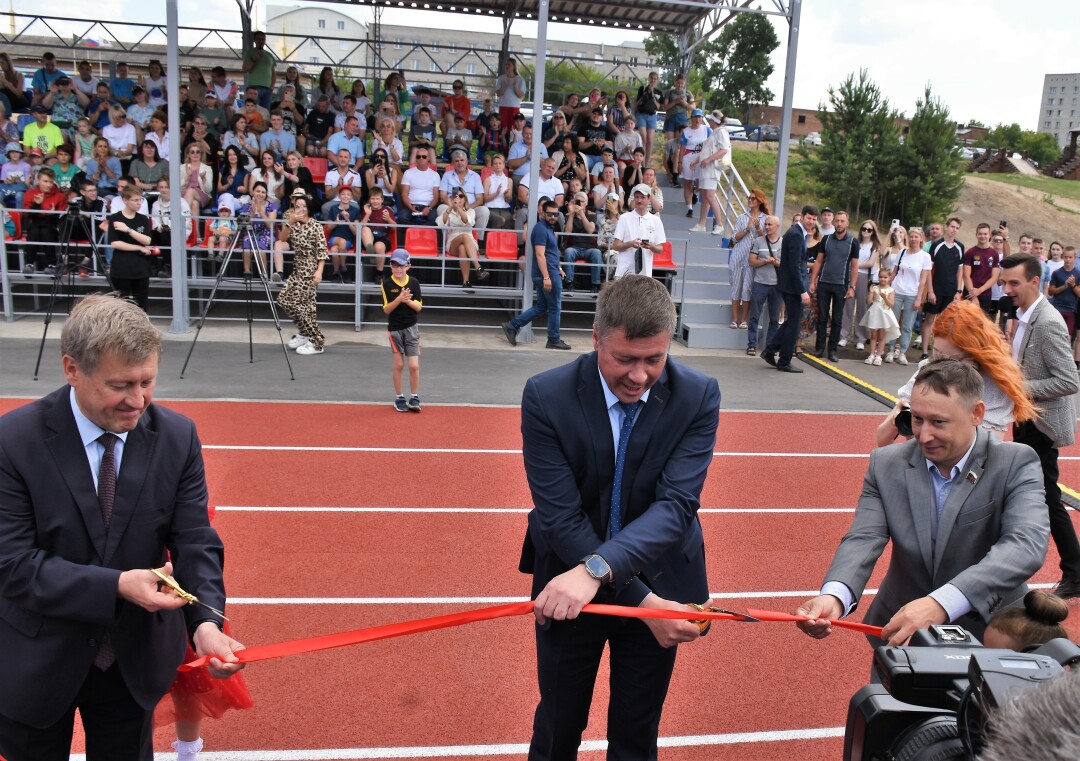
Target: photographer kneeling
column 964, row 512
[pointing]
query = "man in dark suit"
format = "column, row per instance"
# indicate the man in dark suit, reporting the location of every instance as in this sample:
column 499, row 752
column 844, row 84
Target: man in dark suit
column 963, row 512
column 1041, row 347
column 616, row 447
column 95, row 484
column 793, row 283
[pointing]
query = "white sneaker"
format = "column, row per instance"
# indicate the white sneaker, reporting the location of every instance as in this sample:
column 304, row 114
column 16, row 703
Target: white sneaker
column 901, row 358
column 869, row 360
column 877, row 360
column 860, row 346
column 842, row 342
column 309, row 348
column 297, row 341
column 889, row 356
column 697, row 229
column 917, row 343
column 717, row 230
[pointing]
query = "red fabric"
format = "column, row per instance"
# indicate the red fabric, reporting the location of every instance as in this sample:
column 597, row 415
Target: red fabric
column 357, row 636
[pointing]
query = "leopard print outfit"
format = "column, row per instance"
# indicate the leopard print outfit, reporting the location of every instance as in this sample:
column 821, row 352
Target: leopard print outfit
column 297, row 298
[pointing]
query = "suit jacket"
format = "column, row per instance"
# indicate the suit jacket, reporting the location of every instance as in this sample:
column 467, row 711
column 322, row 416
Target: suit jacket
column 792, row 276
column 59, row 568
column 992, row 537
column 570, row 463
column 1047, row 360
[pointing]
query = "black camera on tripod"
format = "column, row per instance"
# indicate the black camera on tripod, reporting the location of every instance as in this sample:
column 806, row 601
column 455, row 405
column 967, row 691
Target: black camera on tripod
column 243, row 219
column 937, row 695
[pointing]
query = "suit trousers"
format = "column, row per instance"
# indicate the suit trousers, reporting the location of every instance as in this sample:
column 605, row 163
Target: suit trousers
column 1061, row 527
column 117, row 728
column 788, row 335
column 568, row 657
column 830, row 301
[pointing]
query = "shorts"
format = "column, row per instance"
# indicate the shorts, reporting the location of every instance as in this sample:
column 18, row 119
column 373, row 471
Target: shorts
column 646, row 120
column 673, row 121
column 1070, row 322
column 406, row 341
column 708, row 180
column 350, row 244
column 380, row 236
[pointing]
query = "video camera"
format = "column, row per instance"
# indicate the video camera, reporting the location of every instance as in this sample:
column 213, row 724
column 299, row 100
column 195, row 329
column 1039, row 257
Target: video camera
column 937, row 695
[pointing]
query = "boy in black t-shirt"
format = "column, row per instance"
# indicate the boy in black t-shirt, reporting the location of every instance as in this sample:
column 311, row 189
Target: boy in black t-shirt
column 401, row 302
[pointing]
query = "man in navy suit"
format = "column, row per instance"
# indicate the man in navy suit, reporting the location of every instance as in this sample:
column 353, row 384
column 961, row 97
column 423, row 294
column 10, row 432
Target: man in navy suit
column 793, row 282
column 95, row 484
column 616, row 447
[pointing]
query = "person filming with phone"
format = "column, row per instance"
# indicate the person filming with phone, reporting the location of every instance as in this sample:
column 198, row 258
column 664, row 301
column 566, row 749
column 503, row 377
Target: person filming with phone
column 639, row 234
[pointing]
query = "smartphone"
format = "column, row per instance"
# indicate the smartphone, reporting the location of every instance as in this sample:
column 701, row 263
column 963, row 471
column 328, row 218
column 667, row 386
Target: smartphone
column 1003, row 224
column 644, row 241
column 895, row 224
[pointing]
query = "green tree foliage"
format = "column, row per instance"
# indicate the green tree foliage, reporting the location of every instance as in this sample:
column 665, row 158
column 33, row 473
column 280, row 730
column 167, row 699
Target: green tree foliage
column 730, row 71
column 1040, row 146
column 570, row 76
column 930, row 179
column 856, row 163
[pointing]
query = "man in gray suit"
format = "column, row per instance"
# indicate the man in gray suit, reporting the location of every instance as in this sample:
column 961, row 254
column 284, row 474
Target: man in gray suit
column 1041, row 347
column 964, row 513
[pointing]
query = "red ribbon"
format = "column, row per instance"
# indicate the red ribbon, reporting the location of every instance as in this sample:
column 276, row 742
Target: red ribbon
column 371, row 634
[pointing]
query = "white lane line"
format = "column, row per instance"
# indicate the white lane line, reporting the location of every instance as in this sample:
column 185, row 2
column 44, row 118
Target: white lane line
column 502, row 510
column 482, row 600
column 503, row 749
column 449, row 450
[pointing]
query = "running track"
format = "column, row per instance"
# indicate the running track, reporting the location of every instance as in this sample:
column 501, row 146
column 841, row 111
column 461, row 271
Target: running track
column 338, row 517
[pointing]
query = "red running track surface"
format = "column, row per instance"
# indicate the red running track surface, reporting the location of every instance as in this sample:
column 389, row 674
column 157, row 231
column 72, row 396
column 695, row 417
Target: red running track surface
column 476, row 685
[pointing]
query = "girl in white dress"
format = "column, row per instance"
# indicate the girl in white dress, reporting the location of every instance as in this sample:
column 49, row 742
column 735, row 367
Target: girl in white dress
column 879, row 318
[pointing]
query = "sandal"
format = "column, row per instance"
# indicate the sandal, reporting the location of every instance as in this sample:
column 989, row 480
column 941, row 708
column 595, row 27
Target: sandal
column 751, row 351
column 734, row 325
column 742, row 326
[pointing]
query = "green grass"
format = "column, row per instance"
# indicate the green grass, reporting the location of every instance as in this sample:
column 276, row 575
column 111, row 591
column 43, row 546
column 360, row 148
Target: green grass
column 1050, row 185
column 757, row 166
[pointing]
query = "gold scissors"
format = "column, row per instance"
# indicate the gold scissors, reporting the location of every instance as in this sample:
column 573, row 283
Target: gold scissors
column 187, row 596
column 704, row 623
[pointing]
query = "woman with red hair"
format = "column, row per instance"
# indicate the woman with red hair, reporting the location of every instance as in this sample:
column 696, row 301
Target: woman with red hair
column 962, row 331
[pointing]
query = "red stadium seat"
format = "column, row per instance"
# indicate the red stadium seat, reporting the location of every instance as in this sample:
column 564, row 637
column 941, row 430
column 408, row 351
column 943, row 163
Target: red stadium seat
column 664, row 259
column 17, row 219
column 501, row 244
column 485, row 173
column 422, row 241
column 317, row 166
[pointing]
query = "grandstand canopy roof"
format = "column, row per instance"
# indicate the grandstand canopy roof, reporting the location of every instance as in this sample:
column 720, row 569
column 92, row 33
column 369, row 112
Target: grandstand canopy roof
column 670, row 16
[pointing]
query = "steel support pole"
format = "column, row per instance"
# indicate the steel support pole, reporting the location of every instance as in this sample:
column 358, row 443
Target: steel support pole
column 539, row 75
column 178, row 241
column 785, row 117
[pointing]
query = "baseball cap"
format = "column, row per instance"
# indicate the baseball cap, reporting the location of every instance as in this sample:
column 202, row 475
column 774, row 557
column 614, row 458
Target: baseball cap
column 340, row 190
column 37, row 108
column 63, row 80
column 607, row 149
column 400, row 256
column 36, row 152
column 642, row 188
column 826, row 209
column 697, row 112
column 613, row 196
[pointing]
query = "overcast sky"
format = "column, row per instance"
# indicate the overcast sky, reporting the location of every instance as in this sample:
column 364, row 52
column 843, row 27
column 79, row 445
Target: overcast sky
column 984, row 58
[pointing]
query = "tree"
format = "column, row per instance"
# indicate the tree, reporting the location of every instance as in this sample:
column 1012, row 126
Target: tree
column 932, row 178
column 570, row 76
column 1041, row 147
column 730, row 71
column 860, row 147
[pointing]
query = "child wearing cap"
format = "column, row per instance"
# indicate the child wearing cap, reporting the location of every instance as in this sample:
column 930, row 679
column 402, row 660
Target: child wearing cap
column 401, row 303
column 14, row 175
column 222, row 232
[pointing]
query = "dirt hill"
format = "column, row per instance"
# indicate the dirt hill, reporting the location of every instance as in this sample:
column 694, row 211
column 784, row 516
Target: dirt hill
column 1046, row 217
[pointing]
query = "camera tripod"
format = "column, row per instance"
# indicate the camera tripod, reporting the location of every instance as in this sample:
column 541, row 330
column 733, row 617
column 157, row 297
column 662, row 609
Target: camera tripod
column 75, row 220
column 246, row 233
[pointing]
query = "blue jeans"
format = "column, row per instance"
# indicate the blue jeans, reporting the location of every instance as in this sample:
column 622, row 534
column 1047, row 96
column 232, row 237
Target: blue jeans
column 760, row 295
column 546, row 301
column 591, row 255
column 265, row 94
column 904, row 309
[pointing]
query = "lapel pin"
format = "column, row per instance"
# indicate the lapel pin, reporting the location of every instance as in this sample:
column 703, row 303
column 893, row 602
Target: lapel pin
column 972, row 477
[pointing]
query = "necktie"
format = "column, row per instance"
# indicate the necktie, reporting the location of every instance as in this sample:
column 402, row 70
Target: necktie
column 629, row 413
column 106, row 495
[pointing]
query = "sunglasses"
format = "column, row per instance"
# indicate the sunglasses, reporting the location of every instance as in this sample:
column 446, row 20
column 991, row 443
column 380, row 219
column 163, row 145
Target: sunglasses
column 421, row 155
column 999, row 240
column 867, row 229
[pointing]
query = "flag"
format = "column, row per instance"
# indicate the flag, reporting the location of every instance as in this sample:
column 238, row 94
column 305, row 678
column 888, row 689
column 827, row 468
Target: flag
column 92, row 43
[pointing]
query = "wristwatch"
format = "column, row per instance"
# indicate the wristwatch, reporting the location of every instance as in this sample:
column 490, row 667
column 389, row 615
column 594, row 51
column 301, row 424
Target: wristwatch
column 598, row 568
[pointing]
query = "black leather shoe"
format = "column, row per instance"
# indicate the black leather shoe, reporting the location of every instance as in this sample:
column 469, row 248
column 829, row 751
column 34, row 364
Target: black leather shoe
column 1067, row 588
column 510, row 332
column 819, row 353
column 560, row 344
column 833, row 357
column 769, row 357
column 788, row 369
